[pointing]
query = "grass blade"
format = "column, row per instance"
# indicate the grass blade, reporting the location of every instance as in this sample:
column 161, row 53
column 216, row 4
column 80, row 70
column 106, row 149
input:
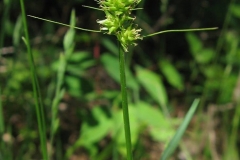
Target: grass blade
column 36, row 88
column 5, row 15
column 2, row 128
column 1, row 116
column 181, row 30
column 83, row 29
column 175, row 140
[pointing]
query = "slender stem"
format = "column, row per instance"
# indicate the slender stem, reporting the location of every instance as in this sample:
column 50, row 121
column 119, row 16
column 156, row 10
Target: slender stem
column 223, row 31
column 83, row 29
column 58, row 95
column 36, row 88
column 102, row 9
column 92, row 7
column 125, row 104
column 235, row 123
column 1, row 115
column 5, row 15
column 181, row 30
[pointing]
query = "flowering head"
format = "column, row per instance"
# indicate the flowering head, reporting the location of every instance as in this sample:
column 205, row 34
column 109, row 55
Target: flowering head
column 128, row 36
column 119, row 22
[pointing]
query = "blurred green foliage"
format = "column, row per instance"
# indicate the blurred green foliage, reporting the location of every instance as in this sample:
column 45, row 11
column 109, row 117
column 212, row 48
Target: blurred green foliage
column 164, row 75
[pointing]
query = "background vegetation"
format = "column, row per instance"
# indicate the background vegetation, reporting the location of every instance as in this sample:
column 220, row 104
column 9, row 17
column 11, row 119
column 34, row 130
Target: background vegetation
column 79, row 81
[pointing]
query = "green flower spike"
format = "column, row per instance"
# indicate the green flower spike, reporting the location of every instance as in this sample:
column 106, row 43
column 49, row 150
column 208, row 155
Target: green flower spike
column 119, row 22
column 128, row 37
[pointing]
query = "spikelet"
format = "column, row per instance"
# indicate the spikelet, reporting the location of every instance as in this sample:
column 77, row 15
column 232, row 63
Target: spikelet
column 119, row 21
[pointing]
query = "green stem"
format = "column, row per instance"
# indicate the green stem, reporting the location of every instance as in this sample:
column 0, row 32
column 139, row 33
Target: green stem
column 92, row 7
column 181, row 30
column 1, row 116
column 4, row 151
column 235, row 124
column 223, row 31
column 125, row 104
column 6, row 5
column 36, row 88
column 102, row 9
column 58, row 96
column 83, row 29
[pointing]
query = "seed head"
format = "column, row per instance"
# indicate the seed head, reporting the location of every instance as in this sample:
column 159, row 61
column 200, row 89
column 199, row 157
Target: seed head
column 119, row 21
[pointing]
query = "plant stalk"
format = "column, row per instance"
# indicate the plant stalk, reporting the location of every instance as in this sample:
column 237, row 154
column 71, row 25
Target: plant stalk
column 36, row 88
column 1, row 115
column 125, row 103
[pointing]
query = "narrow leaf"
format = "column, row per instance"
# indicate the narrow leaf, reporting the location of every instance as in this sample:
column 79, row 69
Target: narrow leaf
column 177, row 137
column 83, row 29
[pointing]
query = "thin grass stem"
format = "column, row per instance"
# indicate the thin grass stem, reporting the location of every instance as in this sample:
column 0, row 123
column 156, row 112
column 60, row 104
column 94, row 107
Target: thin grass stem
column 4, row 18
column 125, row 103
column 224, row 30
column 1, row 115
column 235, row 124
column 3, row 150
column 181, row 30
column 2, row 128
column 102, row 10
column 92, row 7
column 36, row 88
column 58, row 96
column 83, row 29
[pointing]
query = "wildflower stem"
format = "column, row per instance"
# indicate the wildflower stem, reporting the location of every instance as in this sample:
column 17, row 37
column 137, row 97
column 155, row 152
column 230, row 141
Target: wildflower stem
column 181, row 30
column 36, row 88
column 125, row 103
column 1, row 117
column 83, row 29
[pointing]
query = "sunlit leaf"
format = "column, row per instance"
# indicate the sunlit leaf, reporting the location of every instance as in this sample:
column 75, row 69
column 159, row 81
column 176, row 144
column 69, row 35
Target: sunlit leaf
column 79, row 56
column 153, row 84
column 74, row 85
column 171, row 74
column 160, row 128
column 235, row 9
column 205, row 56
column 94, row 133
column 194, row 43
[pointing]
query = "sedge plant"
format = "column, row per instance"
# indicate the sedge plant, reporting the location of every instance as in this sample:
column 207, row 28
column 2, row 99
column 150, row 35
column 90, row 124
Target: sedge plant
column 120, row 23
